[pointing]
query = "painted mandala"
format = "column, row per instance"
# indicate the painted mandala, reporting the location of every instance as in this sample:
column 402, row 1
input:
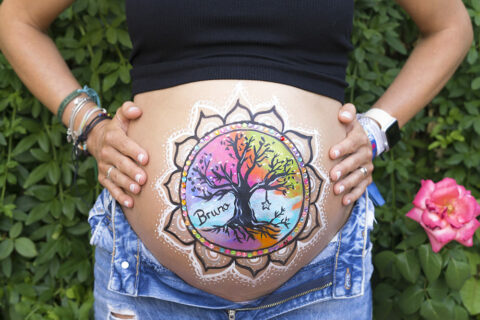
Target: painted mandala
column 244, row 190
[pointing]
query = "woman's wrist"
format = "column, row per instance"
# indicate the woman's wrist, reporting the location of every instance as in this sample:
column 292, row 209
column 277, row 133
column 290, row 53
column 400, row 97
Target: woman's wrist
column 374, row 134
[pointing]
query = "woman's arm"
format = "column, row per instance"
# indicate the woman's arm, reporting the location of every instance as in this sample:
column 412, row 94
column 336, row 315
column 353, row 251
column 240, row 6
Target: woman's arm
column 446, row 36
column 38, row 63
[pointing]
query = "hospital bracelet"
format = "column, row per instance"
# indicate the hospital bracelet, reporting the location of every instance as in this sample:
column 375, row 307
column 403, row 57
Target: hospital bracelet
column 373, row 133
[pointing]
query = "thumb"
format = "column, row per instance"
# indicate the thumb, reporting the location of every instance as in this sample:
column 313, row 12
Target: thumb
column 347, row 113
column 127, row 112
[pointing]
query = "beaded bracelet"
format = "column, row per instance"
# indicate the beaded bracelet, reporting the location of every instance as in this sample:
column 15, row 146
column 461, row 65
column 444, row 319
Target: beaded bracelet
column 89, row 91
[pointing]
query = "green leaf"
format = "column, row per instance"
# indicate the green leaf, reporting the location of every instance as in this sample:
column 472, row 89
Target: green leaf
column 54, row 172
column 47, row 252
column 460, row 313
column 6, row 247
column 38, row 212
column 435, row 310
column 411, row 299
column 25, row 247
column 7, row 266
column 109, row 81
column 111, row 35
column 470, row 294
column 24, row 144
column 407, row 264
column 384, row 261
column 437, row 289
column 457, row 273
column 476, row 83
column 36, row 175
column 15, row 230
column 431, row 262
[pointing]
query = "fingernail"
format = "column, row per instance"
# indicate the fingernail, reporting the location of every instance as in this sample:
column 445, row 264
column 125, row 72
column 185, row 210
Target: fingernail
column 347, row 115
column 126, row 203
column 336, row 153
column 341, row 188
column 138, row 177
column 133, row 108
column 339, row 174
column 133, row 187
column 140, row 157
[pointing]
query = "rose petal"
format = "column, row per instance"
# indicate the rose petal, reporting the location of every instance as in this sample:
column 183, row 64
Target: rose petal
column 444, row 235
column 453, row 221
column 424, row 193
column 444, row 196
column 477, row 210
column 467, row 231
column 445, row 183
column 464, row 209
column 436, row 245
column 415, row 214
column 432, row 220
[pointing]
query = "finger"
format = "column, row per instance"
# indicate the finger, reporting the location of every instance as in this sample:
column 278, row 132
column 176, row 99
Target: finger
column 357, row 192
column 347, row 113
column 126, row 146
column 123, row 114
column 116, row 192
column 355, row 138
column 351, row 163
column 126, row 166
column 353, row 179
column 130, row 110
column 122, row 180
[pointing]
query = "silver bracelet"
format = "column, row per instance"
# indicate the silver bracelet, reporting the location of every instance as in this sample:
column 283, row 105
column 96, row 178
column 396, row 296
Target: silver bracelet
column 78, row 105
column 87, row 115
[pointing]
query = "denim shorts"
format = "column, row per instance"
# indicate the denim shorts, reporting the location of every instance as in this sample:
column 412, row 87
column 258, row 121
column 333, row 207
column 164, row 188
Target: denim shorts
column 130, row 281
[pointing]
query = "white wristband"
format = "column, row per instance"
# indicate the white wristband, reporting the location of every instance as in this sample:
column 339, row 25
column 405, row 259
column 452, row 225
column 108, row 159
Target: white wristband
column 372, row 128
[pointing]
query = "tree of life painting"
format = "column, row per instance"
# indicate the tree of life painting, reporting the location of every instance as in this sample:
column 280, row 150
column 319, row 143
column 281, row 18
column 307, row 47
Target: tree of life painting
column 243, row 191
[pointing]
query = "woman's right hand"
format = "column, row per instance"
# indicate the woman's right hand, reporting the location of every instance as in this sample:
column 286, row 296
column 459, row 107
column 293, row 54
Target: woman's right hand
column 115, row 151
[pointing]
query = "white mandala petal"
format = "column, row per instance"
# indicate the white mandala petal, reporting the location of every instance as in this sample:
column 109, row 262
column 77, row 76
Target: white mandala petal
column 270, row 118
column 316, row 183
column 281, row 256
column 311, row 224
column 211, row 259
column 238, row 113
column 172, row 186
column 254, row 265
column 176, row 226
column 303, row 144
column 207, row 123
column 183, row 149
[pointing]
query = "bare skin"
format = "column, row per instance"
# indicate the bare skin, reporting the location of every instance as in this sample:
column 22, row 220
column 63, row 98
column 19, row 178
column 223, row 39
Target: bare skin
column 441, row 22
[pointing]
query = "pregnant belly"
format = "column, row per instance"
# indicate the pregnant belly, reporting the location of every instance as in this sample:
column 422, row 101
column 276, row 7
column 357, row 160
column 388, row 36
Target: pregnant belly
column 238, row 197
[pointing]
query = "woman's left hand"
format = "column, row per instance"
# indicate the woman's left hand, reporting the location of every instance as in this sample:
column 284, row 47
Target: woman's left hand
column 357, row 152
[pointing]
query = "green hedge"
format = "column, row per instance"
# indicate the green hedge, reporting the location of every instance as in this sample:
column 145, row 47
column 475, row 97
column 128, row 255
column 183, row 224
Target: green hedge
column 45, row 258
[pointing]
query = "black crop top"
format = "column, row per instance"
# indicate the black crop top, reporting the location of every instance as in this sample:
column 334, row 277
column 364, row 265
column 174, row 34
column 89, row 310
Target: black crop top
column 302, row 43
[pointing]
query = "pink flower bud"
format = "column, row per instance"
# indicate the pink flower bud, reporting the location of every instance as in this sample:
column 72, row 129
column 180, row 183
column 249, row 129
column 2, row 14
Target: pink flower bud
column 447, row 211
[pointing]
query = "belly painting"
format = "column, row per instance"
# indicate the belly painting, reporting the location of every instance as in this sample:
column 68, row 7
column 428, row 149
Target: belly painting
column 242, row 194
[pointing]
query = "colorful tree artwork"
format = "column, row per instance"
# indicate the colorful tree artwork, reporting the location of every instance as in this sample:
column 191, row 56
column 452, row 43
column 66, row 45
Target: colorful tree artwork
column 243, row 187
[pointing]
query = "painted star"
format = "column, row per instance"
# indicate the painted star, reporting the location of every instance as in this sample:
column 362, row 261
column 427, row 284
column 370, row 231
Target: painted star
column 266, row 205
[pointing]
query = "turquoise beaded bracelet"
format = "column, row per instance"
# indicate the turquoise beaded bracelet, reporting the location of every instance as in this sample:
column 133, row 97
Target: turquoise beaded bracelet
column 89, row 91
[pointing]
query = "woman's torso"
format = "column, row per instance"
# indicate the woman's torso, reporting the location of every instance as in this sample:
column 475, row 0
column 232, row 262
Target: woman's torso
column 238, row 197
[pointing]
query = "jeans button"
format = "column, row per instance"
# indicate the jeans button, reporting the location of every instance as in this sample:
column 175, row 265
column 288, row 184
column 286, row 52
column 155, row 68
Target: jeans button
column 125, row 264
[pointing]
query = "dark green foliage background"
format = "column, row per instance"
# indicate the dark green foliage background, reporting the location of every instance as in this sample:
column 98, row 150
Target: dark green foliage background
column 46, row 261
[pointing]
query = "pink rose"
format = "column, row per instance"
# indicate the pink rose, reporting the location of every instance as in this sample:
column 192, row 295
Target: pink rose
column 447, row 211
